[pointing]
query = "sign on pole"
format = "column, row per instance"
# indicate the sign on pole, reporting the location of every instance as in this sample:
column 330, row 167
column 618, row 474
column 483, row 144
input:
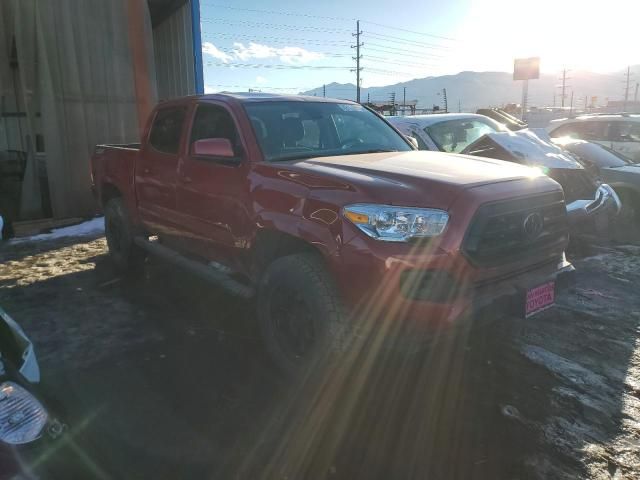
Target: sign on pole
column 526, row 69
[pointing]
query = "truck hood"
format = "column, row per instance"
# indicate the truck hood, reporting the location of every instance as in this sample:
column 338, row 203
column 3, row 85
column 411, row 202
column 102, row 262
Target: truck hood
column 416, row 178
column 461, row 171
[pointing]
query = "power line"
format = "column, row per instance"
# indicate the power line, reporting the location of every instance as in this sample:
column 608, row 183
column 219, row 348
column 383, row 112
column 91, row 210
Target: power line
column 307, row 15
column 274, row 26
column 278, row 39
column 393, row 39
column 273, row 12
column 277, row 66
column 386, row 60
column 300, row 54
column 410, row 31
column 403, row 51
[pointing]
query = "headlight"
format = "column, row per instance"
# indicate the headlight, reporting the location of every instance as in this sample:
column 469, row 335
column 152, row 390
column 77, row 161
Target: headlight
column 22, row 416
column 396, row 224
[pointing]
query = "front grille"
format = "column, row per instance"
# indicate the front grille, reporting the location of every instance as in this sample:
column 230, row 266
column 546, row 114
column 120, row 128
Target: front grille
column 578, row 184
column 497, row 234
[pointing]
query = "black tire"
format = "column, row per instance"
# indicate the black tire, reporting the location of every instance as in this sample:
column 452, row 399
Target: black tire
column 126, row 256
column 300, row 313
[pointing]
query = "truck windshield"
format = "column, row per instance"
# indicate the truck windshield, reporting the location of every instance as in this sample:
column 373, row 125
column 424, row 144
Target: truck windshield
column 294, row 130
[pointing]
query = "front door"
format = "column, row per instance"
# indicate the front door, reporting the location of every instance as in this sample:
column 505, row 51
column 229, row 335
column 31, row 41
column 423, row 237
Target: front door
column 213, row 193
column 156, row 171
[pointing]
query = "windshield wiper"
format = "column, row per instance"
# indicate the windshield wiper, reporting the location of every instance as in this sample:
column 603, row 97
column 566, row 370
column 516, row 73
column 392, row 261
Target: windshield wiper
column 372, row 150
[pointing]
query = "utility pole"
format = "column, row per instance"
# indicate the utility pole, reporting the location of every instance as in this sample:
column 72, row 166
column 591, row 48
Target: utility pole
column 459, row 107
column 586, row 99
column 393, row 102
column 626, row 89
column 357, row 58
column 444, row 96
column 635, row 96
column 404, row 99
column 324, row 90
column 368, row 98
column 571, row 107
column 564, row 86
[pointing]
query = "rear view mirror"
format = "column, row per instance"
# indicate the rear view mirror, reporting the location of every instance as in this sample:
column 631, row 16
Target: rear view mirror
column 213, row 147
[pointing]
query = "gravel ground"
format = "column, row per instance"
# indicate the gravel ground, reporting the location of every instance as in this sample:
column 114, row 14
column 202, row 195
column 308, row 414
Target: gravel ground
column 164, row 377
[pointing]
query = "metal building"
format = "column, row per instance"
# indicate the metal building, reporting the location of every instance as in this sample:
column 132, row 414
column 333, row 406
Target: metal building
column 74, row 73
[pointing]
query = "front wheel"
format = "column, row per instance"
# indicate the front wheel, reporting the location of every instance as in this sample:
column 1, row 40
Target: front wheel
column 300, row 314
column 123, row 251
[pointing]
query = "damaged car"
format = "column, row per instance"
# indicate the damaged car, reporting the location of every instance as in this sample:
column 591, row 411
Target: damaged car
column 612, row 168
column 590, row 204
column 24, row 418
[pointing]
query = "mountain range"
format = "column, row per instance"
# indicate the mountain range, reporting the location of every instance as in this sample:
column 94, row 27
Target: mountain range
column 472, row 90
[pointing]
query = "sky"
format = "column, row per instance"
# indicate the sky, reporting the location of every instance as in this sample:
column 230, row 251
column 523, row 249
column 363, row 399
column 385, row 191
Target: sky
column 286, row 46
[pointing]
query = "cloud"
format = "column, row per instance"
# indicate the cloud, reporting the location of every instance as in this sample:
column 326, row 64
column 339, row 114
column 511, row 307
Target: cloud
column 260, row 79
column 209, row 89
column 290, row 55
column 209, row 48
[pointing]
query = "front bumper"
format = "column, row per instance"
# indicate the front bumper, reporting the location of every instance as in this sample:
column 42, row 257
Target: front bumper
column 381, row 306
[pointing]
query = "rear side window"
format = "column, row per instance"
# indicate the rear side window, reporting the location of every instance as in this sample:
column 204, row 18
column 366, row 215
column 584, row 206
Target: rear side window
column 626, row 132
column 167, row 129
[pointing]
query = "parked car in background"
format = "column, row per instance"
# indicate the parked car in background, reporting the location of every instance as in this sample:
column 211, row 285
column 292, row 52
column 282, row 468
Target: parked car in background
column 509, row 121
column 589, row 204
column 619, row 132
column 332, row 221
column 613, row 168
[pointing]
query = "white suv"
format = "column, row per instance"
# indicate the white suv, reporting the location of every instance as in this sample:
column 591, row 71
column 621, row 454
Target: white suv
column 620, row 132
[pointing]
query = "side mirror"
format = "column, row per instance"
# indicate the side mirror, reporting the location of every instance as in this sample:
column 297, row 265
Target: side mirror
column 213, row 147
column 412, row 141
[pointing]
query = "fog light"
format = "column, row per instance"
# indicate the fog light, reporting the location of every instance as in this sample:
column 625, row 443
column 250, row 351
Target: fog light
column 22, row 416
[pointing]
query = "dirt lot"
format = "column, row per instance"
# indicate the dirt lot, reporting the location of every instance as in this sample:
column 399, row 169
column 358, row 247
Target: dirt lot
column 163, row 377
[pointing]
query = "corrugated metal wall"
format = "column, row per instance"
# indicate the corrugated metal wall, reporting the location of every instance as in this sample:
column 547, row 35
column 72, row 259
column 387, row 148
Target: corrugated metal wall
column 173, row 51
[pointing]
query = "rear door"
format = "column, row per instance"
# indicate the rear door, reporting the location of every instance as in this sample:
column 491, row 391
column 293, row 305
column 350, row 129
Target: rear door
column 213, row 193
column 625, row 139
column 156, row 170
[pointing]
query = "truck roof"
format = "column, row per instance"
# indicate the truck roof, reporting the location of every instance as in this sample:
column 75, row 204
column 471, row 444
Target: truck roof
column 247, row 97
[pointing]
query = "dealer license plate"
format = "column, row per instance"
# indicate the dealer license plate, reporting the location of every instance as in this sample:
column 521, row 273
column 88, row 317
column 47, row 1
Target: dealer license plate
column 540, row 298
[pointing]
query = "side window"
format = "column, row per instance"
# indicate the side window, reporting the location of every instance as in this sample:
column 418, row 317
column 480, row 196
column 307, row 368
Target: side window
column 583, row 130
column 212, row 121
column 167, row 129
column 626, row 132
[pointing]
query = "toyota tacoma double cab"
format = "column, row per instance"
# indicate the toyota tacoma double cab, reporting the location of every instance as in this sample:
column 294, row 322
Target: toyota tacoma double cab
column 328, row 217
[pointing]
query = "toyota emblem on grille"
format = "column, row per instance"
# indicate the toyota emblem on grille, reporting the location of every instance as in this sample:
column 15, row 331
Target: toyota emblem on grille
column 533, row 225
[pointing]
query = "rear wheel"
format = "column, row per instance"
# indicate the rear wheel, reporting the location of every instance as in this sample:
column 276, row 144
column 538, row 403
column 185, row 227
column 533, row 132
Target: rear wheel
column 300, row 314
column 117, row 225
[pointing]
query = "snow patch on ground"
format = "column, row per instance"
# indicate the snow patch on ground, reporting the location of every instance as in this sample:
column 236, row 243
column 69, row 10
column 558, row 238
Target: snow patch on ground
column 91, row 227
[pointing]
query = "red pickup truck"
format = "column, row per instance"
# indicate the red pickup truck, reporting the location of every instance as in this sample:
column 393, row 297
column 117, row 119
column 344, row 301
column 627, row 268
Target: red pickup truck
column 330, row 218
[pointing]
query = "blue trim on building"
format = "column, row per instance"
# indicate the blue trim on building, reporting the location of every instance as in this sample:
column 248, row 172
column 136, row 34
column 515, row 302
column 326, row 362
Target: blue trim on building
column 197, row 46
